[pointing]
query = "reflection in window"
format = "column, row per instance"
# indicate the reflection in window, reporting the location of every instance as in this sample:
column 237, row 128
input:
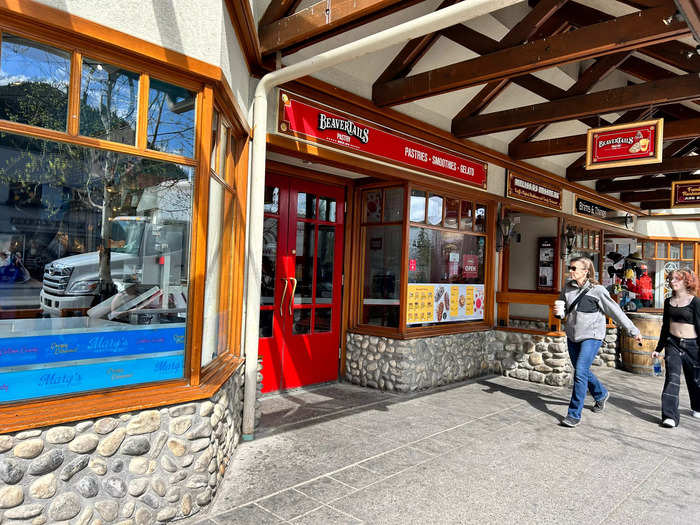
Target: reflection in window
column 304, row 263
column 382, row 275
column 688, row 250
column 171, row 118
column 215, row 314
column 269, row 261
column 465, row 221
column 480, row 218
column 435, row 210
column 272, row 199
column 34, row 81
column 451, row 211
column 393, row 204
column 322, row 321
column 128, row 219
column 302, row 321
column 324, row 265
column 373, row 206
column 442, row 257
column 108, row 102
column 417, row 206
column 306, row 205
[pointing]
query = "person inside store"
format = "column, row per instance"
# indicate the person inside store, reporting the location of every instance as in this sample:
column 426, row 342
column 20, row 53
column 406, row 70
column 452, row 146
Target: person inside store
column 679, row 340
column 585, row 304
column 643, row 287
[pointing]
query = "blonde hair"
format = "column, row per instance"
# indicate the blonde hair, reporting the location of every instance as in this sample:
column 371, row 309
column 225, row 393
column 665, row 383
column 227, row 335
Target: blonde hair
column 590, row 268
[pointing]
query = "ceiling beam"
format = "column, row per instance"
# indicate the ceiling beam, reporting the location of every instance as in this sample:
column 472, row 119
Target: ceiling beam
column 589, row 78
column 411, row 53
column 673, row 130
column 640, row 196
column 672, row 165
column 647, row 182
column 622, row 34
column 538, row 24
column 667, row 91
column 655, row 205
column 673, row 53
column 321, row 18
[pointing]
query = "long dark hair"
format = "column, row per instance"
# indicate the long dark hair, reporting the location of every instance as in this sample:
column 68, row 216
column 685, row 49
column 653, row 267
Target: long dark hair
column 590, row 268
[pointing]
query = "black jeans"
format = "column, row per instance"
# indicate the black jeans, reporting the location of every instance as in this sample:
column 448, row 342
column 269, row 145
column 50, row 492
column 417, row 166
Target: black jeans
column 680, row 354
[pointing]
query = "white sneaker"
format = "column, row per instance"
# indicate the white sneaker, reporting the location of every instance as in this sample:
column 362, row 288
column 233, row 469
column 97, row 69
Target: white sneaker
column 696, row 414
column 668, row 423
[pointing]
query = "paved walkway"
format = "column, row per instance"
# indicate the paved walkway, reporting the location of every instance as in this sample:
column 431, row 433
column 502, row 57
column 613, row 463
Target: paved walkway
column 486, row 451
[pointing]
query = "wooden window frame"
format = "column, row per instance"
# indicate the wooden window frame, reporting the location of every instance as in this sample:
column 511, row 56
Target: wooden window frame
column 197, row 382
column 403, row 331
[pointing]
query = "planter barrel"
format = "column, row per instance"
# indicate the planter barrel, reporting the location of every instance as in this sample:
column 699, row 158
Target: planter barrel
column 637, row 359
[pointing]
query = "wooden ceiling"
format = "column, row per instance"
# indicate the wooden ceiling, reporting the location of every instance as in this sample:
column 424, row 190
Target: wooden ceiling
column 645, row 45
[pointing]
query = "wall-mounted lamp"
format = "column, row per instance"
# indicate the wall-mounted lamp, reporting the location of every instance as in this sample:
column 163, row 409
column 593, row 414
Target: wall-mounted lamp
column 568, row 241
column 506, row 227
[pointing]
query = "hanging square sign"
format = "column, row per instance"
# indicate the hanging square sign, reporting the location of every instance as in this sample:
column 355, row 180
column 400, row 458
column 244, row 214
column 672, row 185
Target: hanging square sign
column 625, row 145
column 685, row 193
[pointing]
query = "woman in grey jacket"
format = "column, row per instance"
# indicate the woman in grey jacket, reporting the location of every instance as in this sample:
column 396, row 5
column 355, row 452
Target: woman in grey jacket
column 585, row 331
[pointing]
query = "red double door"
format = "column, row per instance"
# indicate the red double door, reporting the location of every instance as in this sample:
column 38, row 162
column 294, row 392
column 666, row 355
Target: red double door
column 301, row 288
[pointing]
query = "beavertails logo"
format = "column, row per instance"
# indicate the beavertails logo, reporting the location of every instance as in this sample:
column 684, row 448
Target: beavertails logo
column 347, row 126
column 617, row 140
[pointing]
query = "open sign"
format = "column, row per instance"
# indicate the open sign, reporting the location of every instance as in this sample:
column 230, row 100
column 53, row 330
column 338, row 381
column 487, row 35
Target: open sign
column 470, row 266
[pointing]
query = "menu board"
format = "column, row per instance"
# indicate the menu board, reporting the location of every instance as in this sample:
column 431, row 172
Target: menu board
column 441, row 302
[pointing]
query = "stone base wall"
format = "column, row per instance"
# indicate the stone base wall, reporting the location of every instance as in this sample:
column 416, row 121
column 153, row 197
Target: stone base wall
column 529, row 324
column 144, row 467
column 420, row 364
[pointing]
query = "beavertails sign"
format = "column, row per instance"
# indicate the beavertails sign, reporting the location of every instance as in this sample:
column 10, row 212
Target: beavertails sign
column 625, row 145
column 308, row 120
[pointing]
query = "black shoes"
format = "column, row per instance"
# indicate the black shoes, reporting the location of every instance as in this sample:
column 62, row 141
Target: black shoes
column 600, row 405
column 570, row 422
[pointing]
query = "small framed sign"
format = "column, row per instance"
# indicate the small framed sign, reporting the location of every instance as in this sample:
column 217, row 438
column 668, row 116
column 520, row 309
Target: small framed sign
column 625, row 145
column 685, row 193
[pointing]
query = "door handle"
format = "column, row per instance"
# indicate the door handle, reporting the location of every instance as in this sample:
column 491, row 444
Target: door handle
column 291, row 298
column 284, row 294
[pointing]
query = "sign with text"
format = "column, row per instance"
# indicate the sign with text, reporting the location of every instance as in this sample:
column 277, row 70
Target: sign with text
column 625, row 145
column 441, row 302
column 35, row 366
column 599, row 212
column 535, row 192
column 685, row 193
column 311, row 121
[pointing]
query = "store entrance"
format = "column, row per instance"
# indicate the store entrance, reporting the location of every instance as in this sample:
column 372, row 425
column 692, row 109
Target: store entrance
column 301, row 289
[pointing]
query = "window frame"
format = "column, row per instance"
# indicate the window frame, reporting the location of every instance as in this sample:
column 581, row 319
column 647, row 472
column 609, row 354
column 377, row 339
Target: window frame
column 211, row 89
column 403, row 331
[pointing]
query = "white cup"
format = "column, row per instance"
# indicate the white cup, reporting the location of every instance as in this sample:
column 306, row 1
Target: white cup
column 560, row 309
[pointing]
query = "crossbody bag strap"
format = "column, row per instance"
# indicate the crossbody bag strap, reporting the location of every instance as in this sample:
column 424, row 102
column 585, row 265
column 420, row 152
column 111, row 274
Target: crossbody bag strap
column 578, row 298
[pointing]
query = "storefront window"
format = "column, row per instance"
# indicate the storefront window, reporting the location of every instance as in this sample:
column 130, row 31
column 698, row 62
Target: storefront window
column 34, row 80
column 660, row 258
column 417, row 206
column 445, row 271
column 94, row 268
column 171, row 118
column 382, row 254
column 382, row 285
column 108, row 102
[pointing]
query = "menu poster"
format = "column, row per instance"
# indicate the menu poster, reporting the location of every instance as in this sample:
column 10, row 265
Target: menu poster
column 442, row 302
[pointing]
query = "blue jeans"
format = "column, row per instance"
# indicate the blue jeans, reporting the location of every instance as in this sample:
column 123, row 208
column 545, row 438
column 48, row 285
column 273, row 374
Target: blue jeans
column 582, row 355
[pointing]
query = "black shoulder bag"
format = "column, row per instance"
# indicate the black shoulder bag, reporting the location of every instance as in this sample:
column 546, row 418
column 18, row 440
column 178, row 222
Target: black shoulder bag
column 578, row 298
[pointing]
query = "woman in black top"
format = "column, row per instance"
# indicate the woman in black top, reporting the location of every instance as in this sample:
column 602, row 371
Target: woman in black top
column 679, row 336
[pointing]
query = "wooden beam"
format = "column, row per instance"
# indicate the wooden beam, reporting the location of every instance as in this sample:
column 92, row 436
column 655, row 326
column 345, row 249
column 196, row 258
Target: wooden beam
column 622, row 34
column 647, row 182
column 640, row 196
column 411, row 53
column 691, row 12
column 672, row 165
column 537, row 24
column 673, row 53
column 673, row 130
column 667, row 91
column 276, row 10
column 655, row 205
column 589, row 78
column 322, row 17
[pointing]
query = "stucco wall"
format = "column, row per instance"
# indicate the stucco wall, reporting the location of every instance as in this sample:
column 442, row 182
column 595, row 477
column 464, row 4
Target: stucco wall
column 197, row 28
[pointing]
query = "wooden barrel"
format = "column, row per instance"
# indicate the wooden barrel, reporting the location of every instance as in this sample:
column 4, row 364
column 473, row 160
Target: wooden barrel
column 637, row 359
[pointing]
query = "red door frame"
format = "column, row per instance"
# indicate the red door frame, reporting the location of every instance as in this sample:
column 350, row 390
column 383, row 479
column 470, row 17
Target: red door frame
column 291, row 360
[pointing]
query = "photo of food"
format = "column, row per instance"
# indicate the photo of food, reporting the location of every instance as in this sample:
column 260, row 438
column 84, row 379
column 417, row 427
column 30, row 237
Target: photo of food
column 462, row 301
column 440, row 309
column 447, row 302
column 439, row 291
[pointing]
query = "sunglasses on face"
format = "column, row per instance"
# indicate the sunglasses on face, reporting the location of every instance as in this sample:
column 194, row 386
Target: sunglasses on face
column 573, row 268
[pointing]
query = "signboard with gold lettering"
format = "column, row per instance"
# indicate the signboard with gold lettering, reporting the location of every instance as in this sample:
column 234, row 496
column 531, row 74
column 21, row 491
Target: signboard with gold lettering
column 625, row 145
column 536, row 192
column 685, row 193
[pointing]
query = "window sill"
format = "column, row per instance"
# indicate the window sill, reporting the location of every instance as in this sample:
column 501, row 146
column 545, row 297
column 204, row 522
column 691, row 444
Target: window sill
column 421, row 332
column 533, row 332
column 64, row 409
